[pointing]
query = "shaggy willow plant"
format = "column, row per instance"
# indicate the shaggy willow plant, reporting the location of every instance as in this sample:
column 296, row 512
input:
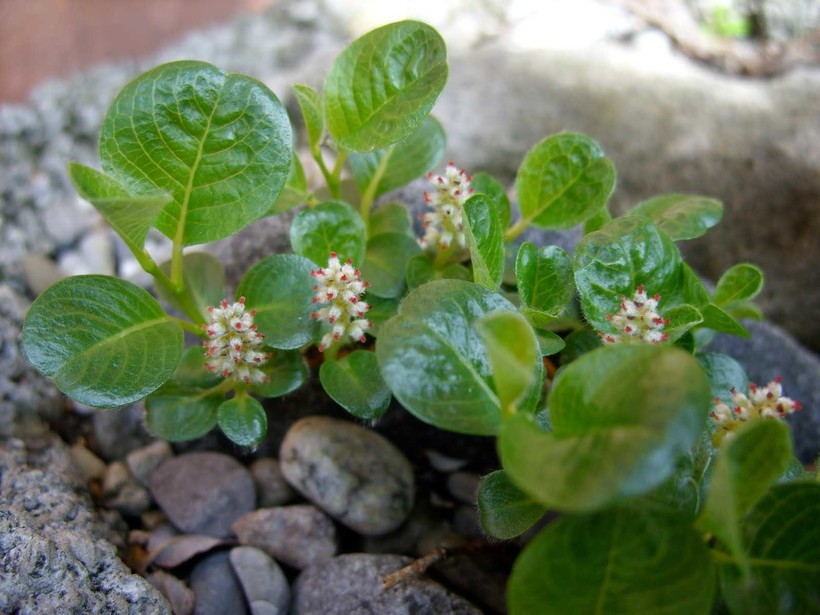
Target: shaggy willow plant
column 669, row 501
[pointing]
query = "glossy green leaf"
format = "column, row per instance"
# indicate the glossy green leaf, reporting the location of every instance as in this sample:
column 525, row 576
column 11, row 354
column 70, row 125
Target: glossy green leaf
column 549, row 343
column 613, row 262
column 176, row 413
column 747, row 464
column 578, row 343
column 332, row 226
column 741, row 283
column 782, row 538
column 681, row 319
column 563, row 180
column 544, row 278
column 204, row 277
column 681, row 216
column 385, row 263
column 390, row 218
column 621, row 417
column 505, row 511
column 694, row 292
column 724, row 374
column 435, row 362
column 191, row 373
column 280, row 289
column 356, row 384
column 220, row 144
column 295, row 191
column 617, row 561
column 311, row 105
column 487, row 184
column 243, row 420
column 420, row 270
column 130, row 216
column 513, row 352
column 402, row 162
column 597, row 221
column 381, row 310
column 383, row 85
column 745, row 309
column 286, row 370
column 485, row 239
column 105, row 342
column 719, row 320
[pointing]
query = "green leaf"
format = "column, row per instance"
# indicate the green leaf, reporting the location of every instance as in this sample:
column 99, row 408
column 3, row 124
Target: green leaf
column 485, row 238
column 717, row 319
column 280, row 289
column 724, row 374
column 681, row 216
column 332, row 226
column 385, row 263
column 311, row 105
column 578, row 343
column 613, row 262
column 782, row 538
column 129, row 215
column 549, row 343
column 105, row 342
column 617, row 561
column 356, row 384
column 381, row 310
column 745, row 310
column 191, row 372
column 506, row 511
column 747, row 464
column 681, row 319
column 390, row 218
column 741, row 283
column 563, row 180
column 176, row 412
column 420, row 270
column 220, row 144
column 402, row 162
column 621, row 417
column 204, row 277
column 513, row 352
column 383, row 85
column 243, row 420
column 544, row 278
column 694, row 292
column 487, row 184
column 295, row 191
column 597, row 221
column 434, row 360
column 287, row 372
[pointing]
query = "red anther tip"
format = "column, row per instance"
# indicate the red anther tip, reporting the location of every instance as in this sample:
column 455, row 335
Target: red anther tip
column 732, row 390
column 265, row 378
column 332, row 255
column 717, row 400
column 331, row 320
column 737, row 409
column 343, row 278
column 369, row 323
column 330, row 296
column 640, row 288
column 335, row 336
column 314, row 315
column 798, row 406
column 354, row 300
column 238, row 326
column 429, row 176
column 665, row 337
column 252, row 312
column 362, row 339
column 314, row 300
column 441, row 180
column 241, row 299
column 778, row 379
column 657, row 297
column 451, row 164
column 366, row 284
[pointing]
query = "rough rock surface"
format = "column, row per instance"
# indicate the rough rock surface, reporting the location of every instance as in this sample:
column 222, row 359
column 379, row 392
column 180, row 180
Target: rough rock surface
column 371, row 492
column 54, row 553
column 353, row 584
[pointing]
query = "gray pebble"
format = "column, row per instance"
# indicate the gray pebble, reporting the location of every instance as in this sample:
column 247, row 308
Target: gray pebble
column 203, row 493
column 463, row 486
column 353, row 584
column 350, row 472
column 216, row 587
column 271, row 487
column 91, row 467
column 261, row 578
column 143, row 461
column 298, row 536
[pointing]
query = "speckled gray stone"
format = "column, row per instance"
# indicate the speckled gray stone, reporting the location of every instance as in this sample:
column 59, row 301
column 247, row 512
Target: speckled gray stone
column 271, row 487
column 298, row 536
column 203, row 493
column 261, row 578
column 352, row 473
column 353, row 584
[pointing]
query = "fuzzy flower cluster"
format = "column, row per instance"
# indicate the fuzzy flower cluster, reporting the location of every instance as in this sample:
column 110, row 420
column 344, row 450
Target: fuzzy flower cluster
column 233, row 347
column 637, row 320
column 341, row 286
column 445, row 224
column 765, row 402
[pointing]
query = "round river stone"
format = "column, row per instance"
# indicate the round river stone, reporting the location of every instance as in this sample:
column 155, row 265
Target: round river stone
column 352, row 473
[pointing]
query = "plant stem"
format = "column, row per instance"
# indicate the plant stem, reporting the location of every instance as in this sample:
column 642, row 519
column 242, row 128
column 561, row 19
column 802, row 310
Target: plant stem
column 316, row 152
column 370, row 193
column 331, row 352
column 189, row 326
column 335, row 187
column 443, row 256
column 516, row 229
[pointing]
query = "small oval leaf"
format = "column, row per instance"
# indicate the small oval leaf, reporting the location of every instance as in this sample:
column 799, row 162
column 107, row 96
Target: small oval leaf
column 390, row 218
column 204, row 277
column 385, row 263
column 243, row 420
column 506, row 511
column 563, row 180
column 383, row 85
column 332, row 226
column 176, row 413
column 356, row 384
column 681, row 216
column 487, row 184
column 286, row 371
column 544, row 278
column 311, row 105
column 484, row 236
column 105, row 342
column 743, row 282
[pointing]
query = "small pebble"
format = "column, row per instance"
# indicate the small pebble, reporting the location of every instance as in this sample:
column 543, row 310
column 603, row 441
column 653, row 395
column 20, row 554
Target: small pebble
column 217, row 589
column 350, row 472
column 463, row 486
column 116, row 475
column 271, row 487
column 203, row 492
column 91, row 467
column 299, row 535
column 261, row 578
column 143, row 461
